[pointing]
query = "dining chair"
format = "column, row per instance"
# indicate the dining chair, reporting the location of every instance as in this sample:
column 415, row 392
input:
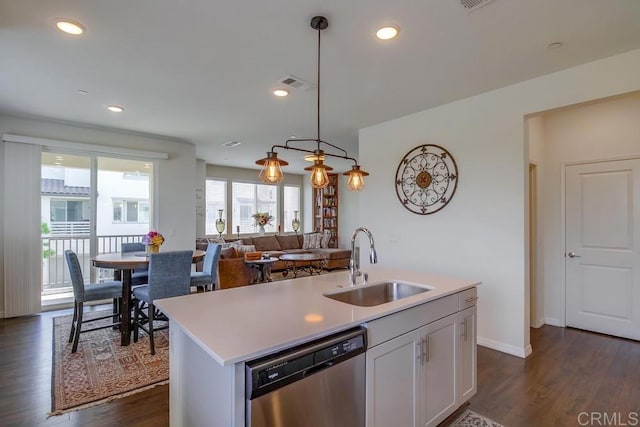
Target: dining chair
column 209, row 274
column 169, row 276
column 139, row 276
column 92, row 292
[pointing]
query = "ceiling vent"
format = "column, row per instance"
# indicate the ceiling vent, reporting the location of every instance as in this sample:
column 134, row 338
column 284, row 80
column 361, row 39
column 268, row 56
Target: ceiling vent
column 472, row 5
column 296, row 83
column 231, row 144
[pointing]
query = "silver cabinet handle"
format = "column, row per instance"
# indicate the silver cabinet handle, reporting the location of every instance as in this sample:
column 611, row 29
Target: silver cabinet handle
column 464, row 329
column 573, row 255
column 471, row 299
column 420, row 347
column 427, row 349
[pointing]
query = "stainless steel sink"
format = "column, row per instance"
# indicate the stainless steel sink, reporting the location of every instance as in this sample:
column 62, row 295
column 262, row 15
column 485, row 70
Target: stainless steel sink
column 376, row 294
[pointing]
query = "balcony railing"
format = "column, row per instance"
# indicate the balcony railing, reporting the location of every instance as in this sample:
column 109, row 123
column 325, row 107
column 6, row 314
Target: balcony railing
column 55, row 272
column 70, row 227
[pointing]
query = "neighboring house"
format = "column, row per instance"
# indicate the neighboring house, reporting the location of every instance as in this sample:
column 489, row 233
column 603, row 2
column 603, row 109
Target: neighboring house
column 123, row 202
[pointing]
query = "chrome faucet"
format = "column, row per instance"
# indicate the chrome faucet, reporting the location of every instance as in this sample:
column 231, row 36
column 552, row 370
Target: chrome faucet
column 354, row 261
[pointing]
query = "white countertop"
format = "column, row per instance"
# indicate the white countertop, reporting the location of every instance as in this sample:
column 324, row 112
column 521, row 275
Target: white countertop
column 239, row 324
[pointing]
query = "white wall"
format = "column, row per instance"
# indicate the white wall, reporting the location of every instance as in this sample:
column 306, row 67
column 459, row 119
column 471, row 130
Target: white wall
column 595, row 131
column 482, row 233
column 1, row 233
column 535, row 133
column 174, row 193
column 201, row 216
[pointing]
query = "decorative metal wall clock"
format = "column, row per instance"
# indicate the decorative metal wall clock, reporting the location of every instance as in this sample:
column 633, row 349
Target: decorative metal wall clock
column 426, row 179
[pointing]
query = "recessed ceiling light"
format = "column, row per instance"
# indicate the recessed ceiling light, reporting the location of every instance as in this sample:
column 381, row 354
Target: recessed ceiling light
column 115, row 108
column 388, row 32
column 280, row 92
column 70, row 27
column 554, row 45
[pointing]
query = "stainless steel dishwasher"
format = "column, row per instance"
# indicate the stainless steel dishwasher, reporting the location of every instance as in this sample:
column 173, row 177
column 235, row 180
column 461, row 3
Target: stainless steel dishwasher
column 318, row 384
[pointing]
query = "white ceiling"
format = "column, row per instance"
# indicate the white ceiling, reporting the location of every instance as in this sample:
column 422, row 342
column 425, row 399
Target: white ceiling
column 203, row 71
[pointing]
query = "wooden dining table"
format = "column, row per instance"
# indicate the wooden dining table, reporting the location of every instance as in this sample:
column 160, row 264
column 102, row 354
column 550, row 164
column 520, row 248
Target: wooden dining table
column 124, row 264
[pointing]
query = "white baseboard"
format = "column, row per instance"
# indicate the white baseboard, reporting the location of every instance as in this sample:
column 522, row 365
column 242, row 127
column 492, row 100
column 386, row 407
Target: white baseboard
column 538, row 324
column 505, row 348
column 554, row 322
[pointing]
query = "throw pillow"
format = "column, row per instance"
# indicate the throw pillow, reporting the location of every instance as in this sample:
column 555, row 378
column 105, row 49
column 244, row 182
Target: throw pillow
column 227, row 253
column 324, row 241
column 243, row 249
column 308, row 240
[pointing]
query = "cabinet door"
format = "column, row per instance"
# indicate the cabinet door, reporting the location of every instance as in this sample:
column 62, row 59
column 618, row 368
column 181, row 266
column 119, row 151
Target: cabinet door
column 438, row 397
column 468, row 354
column 393, row 373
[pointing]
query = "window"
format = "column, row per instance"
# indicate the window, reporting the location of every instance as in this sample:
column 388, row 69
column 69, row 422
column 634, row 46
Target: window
column 291, row 204
column 215, row 199
column 131, row 211
column 251, row 198
column 69, row 210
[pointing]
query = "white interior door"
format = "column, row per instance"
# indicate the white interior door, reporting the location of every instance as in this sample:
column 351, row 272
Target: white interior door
column 601, row 260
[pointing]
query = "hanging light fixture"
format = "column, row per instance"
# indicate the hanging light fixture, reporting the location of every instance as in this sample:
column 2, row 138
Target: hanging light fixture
column 271, row 165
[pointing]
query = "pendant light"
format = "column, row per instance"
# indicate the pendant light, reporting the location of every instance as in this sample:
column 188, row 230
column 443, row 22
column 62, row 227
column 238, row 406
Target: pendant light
column 271, row 172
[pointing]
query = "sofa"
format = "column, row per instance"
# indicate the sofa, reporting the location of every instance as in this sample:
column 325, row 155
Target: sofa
column 233, row 271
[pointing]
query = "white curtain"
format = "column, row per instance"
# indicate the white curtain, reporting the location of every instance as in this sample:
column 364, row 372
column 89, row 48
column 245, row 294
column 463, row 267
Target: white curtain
column 22, row 244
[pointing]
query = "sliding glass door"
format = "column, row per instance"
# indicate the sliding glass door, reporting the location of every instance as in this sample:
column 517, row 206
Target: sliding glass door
column 91, row 205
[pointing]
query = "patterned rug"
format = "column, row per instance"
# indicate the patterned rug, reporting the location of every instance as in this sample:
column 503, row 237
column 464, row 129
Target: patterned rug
column 473, row 419
column 102, row 370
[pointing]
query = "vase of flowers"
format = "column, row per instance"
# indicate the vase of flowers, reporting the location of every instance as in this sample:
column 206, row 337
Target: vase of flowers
column 261, row 219
column 153, row 240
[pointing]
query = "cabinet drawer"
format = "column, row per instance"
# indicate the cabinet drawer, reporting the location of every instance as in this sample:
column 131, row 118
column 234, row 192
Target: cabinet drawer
column 468, row 298
column 396, row 324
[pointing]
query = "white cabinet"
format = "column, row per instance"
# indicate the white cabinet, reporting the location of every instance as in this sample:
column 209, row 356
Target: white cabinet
column 419, row 378
column 467, row 360
column 412, row 379
column 439, row 379
column 392, row 384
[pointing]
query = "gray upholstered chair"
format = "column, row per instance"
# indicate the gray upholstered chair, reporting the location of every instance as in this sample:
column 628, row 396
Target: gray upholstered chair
column 93, row 292
column 169, row 276
column 139, row 276
column 209, row 274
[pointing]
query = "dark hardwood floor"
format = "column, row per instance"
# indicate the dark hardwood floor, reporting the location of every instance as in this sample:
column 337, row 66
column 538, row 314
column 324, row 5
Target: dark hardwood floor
column 569, row 372
column 25, row 378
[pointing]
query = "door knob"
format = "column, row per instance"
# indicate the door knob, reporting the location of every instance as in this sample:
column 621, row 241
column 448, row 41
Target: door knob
column 573, row 255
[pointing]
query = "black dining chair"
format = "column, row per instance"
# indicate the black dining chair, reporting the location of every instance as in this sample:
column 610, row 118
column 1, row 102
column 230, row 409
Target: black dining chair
column 209, row 274
column 139, row 276
column 92, row 292
column 169, row 276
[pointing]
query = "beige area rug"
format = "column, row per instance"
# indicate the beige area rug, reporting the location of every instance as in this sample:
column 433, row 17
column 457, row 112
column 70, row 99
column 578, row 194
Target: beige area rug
column 102, row 370
column 473, row 419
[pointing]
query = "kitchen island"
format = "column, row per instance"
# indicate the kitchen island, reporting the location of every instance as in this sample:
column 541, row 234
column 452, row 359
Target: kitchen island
column 213, row 334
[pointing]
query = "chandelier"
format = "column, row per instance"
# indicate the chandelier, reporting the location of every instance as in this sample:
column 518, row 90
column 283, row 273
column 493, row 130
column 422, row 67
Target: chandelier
column 271, row 172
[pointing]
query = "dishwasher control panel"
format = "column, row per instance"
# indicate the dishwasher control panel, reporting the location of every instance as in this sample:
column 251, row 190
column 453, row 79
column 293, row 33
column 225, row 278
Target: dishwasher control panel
column 271, row 372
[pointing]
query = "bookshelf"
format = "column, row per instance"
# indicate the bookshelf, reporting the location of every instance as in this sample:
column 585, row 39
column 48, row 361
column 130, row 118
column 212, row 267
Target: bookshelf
column 325, row 210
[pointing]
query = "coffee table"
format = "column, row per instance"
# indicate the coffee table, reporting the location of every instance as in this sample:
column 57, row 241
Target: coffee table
column 264, row 268
column 311, row 263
